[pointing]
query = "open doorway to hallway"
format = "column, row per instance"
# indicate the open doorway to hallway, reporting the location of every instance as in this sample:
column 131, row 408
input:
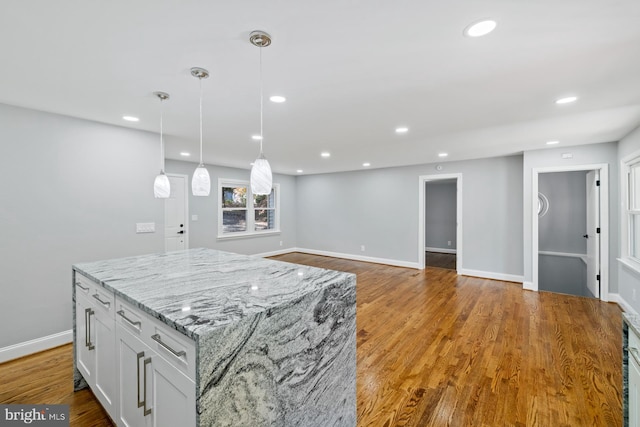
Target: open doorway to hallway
column 440, row 223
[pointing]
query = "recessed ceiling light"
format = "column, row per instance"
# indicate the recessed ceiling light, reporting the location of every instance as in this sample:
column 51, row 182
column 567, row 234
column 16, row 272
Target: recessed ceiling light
column 552, row 142
column 256, row 137
column 325, row 154
column 251, row 164
column 443, row 154
column 402, row 130
column 130, row 118
column 299, row 171
column 277, row 98
column 366, row 165
column 480, row 28
column 185, row 154
column 567, row 100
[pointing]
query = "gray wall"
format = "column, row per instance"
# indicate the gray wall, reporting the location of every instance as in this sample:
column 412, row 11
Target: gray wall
column 628, row 279
column 582, row 155
column 563, row 226
column 203, row 233
column 563, row 275
column 379, row 209
column 72, row 191
column 440, row 214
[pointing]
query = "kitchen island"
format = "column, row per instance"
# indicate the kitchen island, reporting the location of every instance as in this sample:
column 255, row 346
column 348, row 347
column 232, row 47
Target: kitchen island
column 209, row 338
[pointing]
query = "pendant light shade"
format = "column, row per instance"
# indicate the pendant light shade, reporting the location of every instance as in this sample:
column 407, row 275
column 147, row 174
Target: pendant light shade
column 161, row 185
column 261, row 177
column 200, row 182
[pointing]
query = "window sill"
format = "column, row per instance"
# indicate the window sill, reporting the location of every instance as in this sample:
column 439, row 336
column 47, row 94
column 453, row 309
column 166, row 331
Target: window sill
column 630, row 264
column 248, row 235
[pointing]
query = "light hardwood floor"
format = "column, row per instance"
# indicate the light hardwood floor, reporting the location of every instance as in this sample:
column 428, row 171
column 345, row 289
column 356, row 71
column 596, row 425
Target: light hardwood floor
column 435, row 349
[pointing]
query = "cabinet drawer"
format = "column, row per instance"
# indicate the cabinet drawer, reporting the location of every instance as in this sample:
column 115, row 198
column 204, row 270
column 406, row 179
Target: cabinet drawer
column 102, row 299
column 171, row 345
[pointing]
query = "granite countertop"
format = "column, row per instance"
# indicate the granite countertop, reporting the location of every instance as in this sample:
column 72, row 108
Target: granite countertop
column 633, row 320
column 199, row 290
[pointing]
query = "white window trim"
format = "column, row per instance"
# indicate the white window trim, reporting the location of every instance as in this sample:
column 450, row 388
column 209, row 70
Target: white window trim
column 625, row 242
column 249, row 233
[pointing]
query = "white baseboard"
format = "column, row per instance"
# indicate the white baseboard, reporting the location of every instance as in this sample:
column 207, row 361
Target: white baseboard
column 440, row 250
column 617, row 298
column 385, row 261
column 274, row 253
column 39, row 344
column 491, row 275
column 528, row 286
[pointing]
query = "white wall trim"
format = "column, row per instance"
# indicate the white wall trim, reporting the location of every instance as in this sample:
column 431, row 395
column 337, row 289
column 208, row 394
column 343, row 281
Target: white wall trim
column 278, row 252
column 603, row 168
column 440, row 250
column 491, row 275
column 528, row 286
column 374, row 260
column 422, row 180
column 582, row 257
column 34, row 346
column 624, row 305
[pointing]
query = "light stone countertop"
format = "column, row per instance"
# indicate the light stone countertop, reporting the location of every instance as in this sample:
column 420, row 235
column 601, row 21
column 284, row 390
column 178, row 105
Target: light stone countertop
column 197, row 291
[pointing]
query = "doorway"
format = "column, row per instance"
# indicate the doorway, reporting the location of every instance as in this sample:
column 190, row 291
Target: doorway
column 440, row 224
column 176, row 213
column 570, row 230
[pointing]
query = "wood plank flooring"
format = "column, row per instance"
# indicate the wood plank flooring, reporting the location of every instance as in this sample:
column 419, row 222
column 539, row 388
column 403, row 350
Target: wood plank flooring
column 434, row 349
column 440, row 260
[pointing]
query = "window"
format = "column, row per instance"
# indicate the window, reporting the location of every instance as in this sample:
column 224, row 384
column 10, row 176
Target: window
column 243, row 214
column 633, row 209
column 631, row 215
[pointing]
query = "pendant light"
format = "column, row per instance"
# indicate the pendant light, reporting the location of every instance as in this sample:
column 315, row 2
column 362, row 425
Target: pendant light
column 161, row 185
column 261, row 177
column 200, row 183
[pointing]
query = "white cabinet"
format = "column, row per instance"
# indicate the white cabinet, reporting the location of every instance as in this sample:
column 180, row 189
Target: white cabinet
column 153, row 392
column 95, row 347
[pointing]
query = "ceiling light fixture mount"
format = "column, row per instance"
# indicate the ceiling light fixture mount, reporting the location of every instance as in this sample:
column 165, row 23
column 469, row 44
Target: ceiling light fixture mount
column 261, row 176
column 200, row 182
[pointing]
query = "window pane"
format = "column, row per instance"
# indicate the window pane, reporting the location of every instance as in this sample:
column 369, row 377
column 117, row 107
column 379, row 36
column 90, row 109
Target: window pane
column 634, row 187
column 234, row 221
column 265, row 219
column 266, row 201
column 635, row 236
column 234, row 197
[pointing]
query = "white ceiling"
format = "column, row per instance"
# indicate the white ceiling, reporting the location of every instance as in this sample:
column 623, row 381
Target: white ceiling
column 352, row 71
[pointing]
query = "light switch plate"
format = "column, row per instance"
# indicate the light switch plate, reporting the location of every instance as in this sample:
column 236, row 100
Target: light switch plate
column 145, row 227
column 194, row 217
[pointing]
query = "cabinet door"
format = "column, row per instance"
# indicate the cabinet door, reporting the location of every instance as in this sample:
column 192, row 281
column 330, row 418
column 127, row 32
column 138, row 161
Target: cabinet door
column 105, row 361
column 85, row 338
column 634, row 391
column 173, row 397
column 131, row 356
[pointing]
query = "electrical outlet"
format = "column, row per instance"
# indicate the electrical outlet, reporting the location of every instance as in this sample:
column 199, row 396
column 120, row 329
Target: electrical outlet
column 280, row 242
column 194, row 217
column 362, row 248
column 449, row 242
column 633, row 295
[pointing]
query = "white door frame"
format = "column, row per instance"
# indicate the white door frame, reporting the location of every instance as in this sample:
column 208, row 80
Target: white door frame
column 604, row 222
column 422, row 180
column 186, row 210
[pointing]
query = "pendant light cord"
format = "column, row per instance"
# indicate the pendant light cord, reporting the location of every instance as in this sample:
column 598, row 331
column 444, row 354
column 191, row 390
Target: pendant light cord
column 261, row 103
column 161, row 140
column 200, row 78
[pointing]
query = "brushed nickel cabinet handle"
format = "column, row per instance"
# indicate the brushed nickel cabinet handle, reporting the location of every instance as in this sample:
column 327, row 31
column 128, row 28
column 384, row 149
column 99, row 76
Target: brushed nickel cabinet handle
column 88, row 312
column 140, row 356
column 147, row 411
column 131, row 322
column 82, row 287
column 157, row 339
column 105, row 303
